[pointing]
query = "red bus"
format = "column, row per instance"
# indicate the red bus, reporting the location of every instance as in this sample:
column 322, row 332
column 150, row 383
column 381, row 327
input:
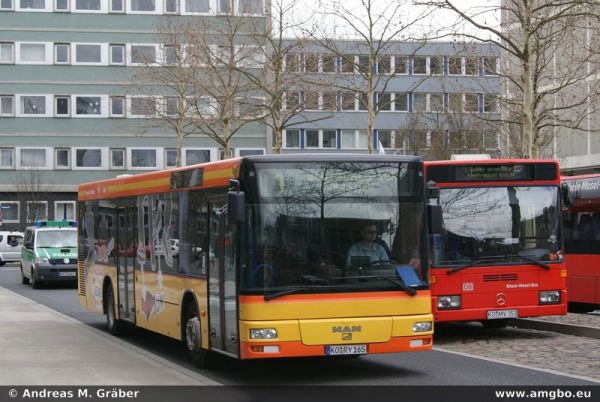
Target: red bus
column 581, row 223
column 499, row 255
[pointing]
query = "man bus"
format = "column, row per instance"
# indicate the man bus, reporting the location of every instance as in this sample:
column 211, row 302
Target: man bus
column 261, row 267
column 581, row 220
column 500, row 252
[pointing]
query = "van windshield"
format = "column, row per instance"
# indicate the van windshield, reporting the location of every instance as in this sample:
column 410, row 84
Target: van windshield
column 57, row 238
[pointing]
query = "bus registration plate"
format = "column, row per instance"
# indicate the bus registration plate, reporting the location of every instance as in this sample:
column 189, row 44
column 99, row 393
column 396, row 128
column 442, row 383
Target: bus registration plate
column 499, row 314
column 346, row 349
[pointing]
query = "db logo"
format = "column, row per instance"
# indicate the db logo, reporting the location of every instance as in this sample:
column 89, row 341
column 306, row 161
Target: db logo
column 468, row 287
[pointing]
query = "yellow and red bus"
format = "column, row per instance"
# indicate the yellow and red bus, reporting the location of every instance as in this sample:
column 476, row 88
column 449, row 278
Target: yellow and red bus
column 248, row 257
column 499, row 255
column 581, row 222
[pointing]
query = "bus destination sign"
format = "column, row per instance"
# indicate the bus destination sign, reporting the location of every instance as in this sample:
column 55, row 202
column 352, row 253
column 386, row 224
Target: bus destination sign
column 492, row 172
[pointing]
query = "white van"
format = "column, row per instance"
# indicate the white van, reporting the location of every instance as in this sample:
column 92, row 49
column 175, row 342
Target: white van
column 10, row 246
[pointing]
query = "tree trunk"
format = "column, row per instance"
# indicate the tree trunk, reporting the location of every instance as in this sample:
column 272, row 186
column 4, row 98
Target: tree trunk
column 527, row 145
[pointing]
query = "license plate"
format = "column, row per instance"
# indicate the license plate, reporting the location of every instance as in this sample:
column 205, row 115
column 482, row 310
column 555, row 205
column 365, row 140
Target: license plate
column 499, row 314
column 346, row 349
column 67, row 273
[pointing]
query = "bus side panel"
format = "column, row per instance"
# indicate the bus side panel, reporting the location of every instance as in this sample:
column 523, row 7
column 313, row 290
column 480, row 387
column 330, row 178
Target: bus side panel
column 583, row 280
column 94, row 282
column 158, row 299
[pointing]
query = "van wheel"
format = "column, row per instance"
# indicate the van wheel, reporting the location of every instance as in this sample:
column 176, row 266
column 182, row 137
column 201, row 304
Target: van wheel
column 115, row 326
column 192, row 337
column 24, row 279
column 35, row 284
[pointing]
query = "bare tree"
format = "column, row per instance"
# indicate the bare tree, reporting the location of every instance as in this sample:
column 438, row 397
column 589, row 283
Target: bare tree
column 31, row 194
column 547, row 65
column 374, row 29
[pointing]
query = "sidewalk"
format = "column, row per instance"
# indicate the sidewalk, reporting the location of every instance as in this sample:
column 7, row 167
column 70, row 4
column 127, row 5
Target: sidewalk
column 587, row 325
column 40, row 346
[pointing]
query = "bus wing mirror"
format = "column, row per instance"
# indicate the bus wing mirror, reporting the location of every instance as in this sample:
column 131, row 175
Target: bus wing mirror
column 433, row 191
column 564, row 193
column 434, row 214
column 235, row 206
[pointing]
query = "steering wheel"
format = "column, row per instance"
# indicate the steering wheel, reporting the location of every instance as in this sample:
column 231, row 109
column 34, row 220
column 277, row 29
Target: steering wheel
column 263, row 267
column 380, row 262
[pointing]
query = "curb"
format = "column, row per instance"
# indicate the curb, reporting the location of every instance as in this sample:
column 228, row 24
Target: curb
column 568, row 329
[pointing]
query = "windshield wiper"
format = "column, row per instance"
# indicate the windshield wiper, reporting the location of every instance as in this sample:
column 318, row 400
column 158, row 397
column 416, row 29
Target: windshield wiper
column 393, row 280
column 493, row 258
column 286, row 292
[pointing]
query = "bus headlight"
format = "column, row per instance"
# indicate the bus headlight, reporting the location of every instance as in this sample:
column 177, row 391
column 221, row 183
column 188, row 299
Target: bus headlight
column 263, row 333
column 422, row 326
column 550, row 297
column 448, row 302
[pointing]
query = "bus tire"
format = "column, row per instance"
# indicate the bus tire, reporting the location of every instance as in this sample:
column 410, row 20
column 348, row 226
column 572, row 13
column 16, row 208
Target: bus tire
column 114, row 325
column 192, row 337
column 24, row 279
column 494, row 324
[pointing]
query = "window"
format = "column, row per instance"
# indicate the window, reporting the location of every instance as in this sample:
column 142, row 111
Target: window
column 348, row 101
column 490, row 65
column 384, row 101
column 419, row 102
column 329, row 101
column 64, row 210
column 454, row 66
column 88, row 158
column 117, row 54
column 471, row 103
column 195, row 156
column 88, row 106
column 384, row 138
column 143, row 54
column 312, row 139
column 32, row 53
column 61, row 5
column 7, row 158
column 329, row 139
column 363, row 101
column 117, row 158
column 249, row 151
column 33, row 4
column 62, row 158
column 171, row 106
column 170, row 157
column 419, row 65
column 33, row 158
column 7, row 107
column 292, row 139
column 436, row 65
column 6, row 4
column 362, row 139
column 224, row 6
column 292, row 101
column 197, row 6
column 401, row 102
column 328, row 63
column 292, row 64
column 88, row 53
column 471, row 65
column 61, row 53
column 116, row 6
column 254, row 7
column 117, row 106
column 142, row 158
column 311, row 63
column 171, row 6
column 10, row 211
column 363, row 64
column 311, row 101
column 88, row 5
column 7, row 53
column 170, row 55
column 143, row 106
column 33, row 104
column 384, row 64
column 143, row 5
column 348, row 139
column 454, row 103
column 436, row 102
column 490, row 140
column 61, row 106
column 37, row 211
column 490, row 104
column 347, row 63
column 401, row 64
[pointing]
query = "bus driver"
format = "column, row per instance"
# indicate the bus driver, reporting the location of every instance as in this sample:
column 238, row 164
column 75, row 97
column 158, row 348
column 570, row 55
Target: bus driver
column 367, row 247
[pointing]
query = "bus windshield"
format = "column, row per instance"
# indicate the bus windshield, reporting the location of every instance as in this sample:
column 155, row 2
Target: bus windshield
column 305, row 217
column 515, row 223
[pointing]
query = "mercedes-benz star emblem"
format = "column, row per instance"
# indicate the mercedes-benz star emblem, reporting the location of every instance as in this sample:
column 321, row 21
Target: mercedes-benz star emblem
column 501, row 299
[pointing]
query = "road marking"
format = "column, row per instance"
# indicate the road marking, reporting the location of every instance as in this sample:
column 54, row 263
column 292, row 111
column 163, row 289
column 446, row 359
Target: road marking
column 489, row 359
column 11, row 269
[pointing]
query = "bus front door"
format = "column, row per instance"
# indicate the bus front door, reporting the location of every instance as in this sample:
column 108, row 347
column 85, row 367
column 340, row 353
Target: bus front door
column 126, row 218
column 223, row 318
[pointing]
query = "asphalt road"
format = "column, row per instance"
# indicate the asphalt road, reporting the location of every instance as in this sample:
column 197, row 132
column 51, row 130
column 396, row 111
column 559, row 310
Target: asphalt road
column 425, row 368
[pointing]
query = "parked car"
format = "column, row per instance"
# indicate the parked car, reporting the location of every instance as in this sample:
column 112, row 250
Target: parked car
column 174, row 247
column 49, row 253
column 10, row 246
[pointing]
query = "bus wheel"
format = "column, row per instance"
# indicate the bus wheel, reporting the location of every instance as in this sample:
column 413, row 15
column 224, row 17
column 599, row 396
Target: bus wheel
column 115, row 326
column 494, row 324
column 24, row 279
column 192, row 337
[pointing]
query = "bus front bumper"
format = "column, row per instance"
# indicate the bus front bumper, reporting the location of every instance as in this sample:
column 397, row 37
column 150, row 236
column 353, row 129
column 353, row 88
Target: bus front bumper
column 481, row 314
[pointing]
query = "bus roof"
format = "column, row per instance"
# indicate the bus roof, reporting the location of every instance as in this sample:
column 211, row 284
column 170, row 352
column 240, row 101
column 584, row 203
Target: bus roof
column 209, row 174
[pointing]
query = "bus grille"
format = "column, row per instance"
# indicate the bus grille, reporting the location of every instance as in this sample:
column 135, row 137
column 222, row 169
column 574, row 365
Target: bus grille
column 81, row 275
column 500, row 277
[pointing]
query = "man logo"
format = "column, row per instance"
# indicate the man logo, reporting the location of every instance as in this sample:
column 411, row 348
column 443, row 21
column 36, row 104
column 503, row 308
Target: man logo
column 346, row 336
column 347, row 328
